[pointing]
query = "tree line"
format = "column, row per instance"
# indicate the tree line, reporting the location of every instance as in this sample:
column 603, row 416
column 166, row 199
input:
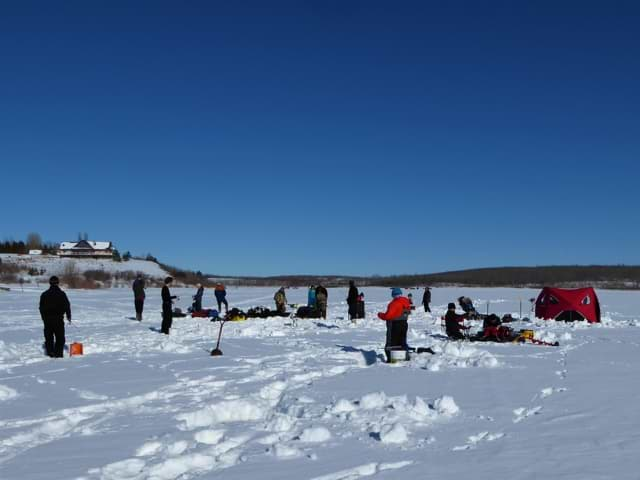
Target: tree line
column 33, row 242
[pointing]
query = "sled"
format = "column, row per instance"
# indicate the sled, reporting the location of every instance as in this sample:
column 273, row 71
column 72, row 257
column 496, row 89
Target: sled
column 206, row 313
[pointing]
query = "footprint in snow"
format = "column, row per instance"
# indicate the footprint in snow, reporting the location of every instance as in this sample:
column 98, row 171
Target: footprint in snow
column 546, row 392
column 474, row 440
column 366, row 470
column 522, row 413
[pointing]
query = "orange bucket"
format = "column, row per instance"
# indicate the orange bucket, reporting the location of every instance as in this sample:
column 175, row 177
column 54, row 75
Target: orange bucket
column 75, row 349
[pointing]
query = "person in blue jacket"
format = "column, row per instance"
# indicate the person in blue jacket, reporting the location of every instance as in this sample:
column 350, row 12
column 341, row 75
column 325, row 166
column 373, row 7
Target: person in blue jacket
column 311, row 297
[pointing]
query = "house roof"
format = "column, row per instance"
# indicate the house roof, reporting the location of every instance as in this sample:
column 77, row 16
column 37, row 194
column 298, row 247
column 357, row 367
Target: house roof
column 84, row 245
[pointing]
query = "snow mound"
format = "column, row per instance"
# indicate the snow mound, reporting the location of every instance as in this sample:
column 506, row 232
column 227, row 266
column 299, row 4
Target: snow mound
column 389, row 419
column 283, row 451
column 373, row 400
column 394, row 434
column 124, row 470
column 209, row 437
column 223, row 412
column 445, row 405
column 148, row 449
column 315, row 435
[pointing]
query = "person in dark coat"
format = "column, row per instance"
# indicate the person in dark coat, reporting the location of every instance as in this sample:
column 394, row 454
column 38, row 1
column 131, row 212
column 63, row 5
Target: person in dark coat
column 221, row 297
column 54, row 305
column 167, row 310
column 453, row 323
column 467, row 305
column 138, row 296
column 360, row 312
column 322, row 297
column 197, row 298
column 352, row 300
column 426, row 299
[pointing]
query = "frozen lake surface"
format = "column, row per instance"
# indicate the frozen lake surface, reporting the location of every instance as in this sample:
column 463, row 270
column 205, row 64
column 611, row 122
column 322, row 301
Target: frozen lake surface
column 314, row 400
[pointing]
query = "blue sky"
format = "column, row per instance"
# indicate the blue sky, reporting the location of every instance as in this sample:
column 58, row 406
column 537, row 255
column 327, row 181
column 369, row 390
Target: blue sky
column 325, row 137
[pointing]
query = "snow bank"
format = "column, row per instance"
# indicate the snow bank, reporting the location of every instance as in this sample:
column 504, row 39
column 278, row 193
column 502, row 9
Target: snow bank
column 315, row 435
column 226, row 411
column 396, row 433
column 445, row 405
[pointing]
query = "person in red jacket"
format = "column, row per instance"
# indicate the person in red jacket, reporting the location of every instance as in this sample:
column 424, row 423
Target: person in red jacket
column 396, row 317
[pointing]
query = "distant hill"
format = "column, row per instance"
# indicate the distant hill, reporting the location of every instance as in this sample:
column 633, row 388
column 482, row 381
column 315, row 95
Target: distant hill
column 602, row 276
column 90, row 273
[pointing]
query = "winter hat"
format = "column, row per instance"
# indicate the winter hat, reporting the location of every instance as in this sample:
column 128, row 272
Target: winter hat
column 396, row 292
column 451, row 306
column 168, row 280
column 54, row 280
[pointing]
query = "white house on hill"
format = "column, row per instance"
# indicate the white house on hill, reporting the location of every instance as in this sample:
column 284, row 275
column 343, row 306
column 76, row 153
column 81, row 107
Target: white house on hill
column 86, row 249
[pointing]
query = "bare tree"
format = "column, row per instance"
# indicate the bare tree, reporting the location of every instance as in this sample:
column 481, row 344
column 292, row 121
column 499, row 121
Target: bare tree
column 34, row 241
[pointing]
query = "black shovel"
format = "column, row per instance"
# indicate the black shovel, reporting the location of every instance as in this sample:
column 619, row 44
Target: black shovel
column 216, row 352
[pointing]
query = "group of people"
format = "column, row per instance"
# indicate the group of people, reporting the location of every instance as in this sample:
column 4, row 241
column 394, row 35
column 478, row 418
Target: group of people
column 139, row 296
column 54, row 305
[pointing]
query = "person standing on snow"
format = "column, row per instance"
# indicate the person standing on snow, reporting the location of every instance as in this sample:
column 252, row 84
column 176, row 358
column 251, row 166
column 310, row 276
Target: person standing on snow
column 138, row 296
column 360, row 313
column 396, row 317
column 426, row 299
column 281, row 300
column 352, row 301
column 197, row 298
column 167, row 310
column 221, row 297
column 311, row 297
column 54, row 305
column 453, row 323
column 322, row 297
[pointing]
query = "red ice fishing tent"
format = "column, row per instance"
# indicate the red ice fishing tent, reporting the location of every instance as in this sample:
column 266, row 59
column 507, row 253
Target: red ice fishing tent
column 568, row 305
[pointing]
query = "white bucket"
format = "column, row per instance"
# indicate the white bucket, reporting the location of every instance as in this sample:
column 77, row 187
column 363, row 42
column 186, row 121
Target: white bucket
column 398, row 356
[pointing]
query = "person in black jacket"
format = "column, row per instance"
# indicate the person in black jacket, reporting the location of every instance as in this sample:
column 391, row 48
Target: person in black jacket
column 426, row 299
column 352, row 300
column 322, row 297
column 197, row 298
column 167, row 311
column 54, row 304
column 138, row 296
column 454, row 323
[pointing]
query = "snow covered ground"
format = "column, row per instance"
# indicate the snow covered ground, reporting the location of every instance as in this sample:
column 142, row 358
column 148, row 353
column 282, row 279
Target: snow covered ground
column 314, row 400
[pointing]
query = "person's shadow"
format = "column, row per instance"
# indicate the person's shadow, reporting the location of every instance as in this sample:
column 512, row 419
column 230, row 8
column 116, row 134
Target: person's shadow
column 370, row 356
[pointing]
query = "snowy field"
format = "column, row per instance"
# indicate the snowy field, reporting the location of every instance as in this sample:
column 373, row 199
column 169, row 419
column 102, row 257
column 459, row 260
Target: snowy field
column 314, row 400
